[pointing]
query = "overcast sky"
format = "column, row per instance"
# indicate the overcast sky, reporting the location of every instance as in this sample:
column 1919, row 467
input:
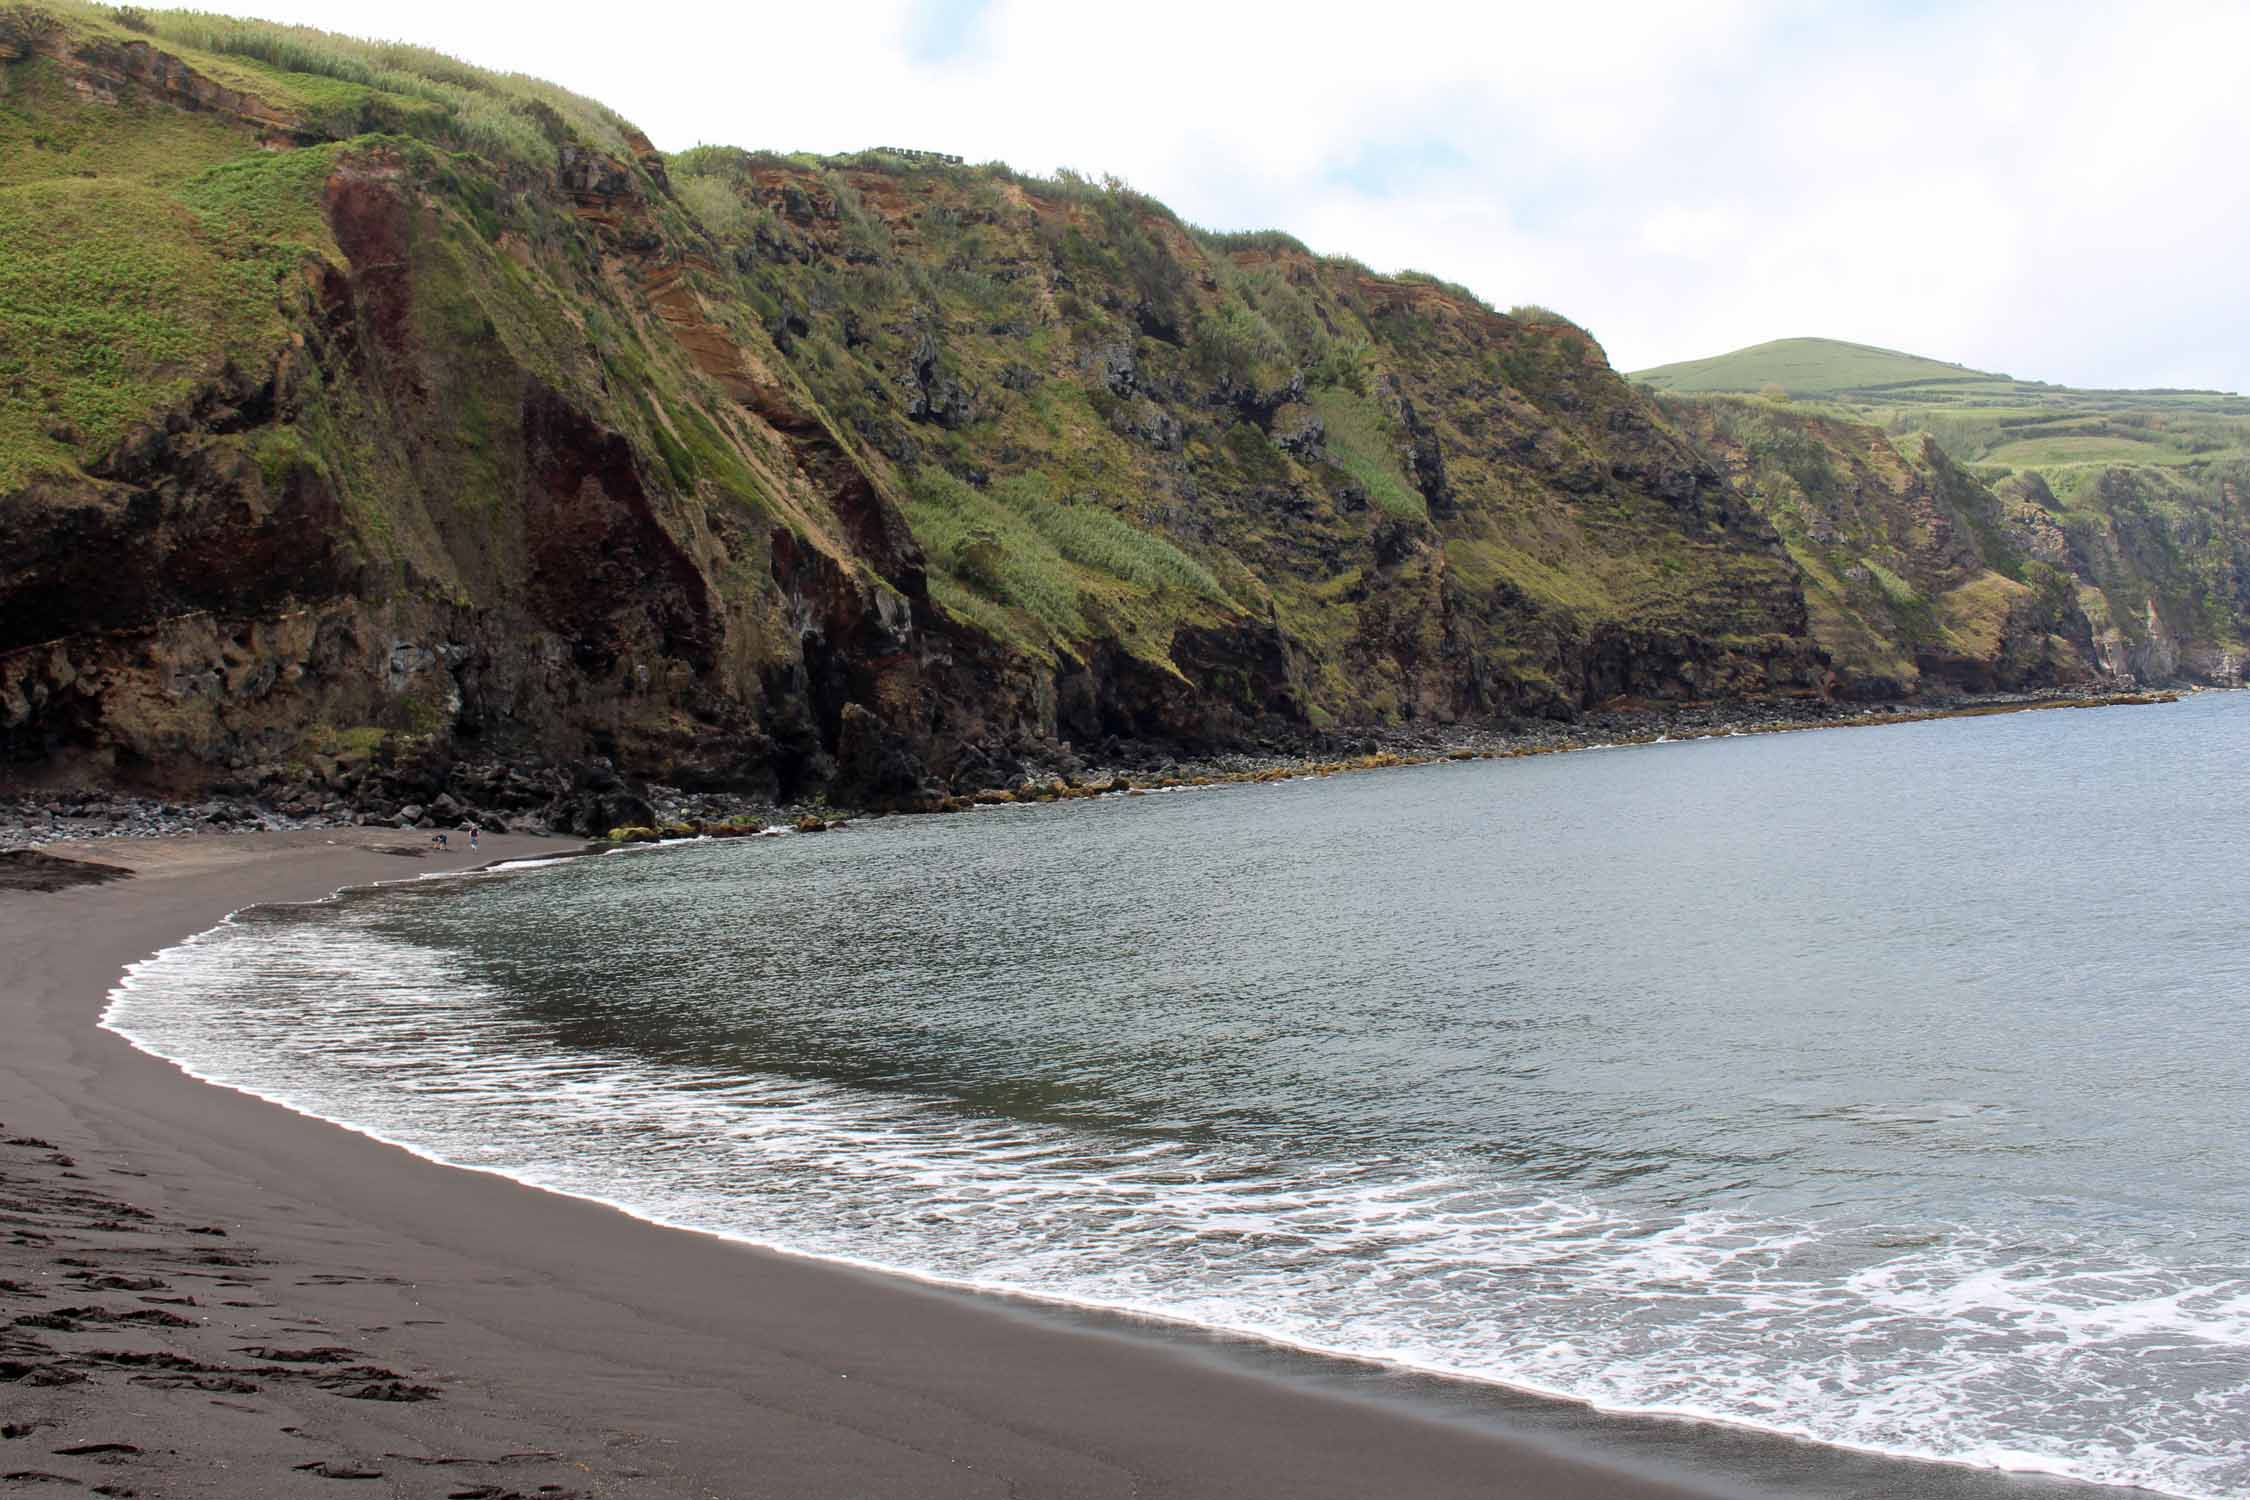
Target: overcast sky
column 2054, row 189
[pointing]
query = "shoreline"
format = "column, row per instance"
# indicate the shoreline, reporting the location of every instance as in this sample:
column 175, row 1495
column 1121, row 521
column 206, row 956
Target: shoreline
column 34, row 818
column 1457, row 744
column 1113, row 1399
column 1460, row 743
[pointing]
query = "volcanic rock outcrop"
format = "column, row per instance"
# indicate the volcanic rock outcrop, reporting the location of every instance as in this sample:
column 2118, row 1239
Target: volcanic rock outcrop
column 437, row 410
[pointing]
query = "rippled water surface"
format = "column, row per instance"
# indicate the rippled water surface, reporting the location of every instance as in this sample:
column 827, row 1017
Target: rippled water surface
column 1886, row 1087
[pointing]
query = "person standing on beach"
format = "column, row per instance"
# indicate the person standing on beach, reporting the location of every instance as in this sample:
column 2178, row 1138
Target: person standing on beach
column 472, row 835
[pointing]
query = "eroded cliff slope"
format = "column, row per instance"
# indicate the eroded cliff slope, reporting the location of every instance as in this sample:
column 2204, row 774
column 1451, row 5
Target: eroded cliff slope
column 351, row 391
column 2136, row 495
column 1917, row 575
column 1920, row 575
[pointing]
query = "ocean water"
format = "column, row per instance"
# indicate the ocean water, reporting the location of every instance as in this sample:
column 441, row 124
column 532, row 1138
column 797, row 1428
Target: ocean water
column 1888, row 1087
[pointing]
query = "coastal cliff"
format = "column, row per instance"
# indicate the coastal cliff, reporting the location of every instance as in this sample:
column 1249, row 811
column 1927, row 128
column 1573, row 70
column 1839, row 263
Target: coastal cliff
column 1914, row 492
column 1922, row 576
column 428, row 407
column 359, row 405
column 1918, row 576
column 2161, row 560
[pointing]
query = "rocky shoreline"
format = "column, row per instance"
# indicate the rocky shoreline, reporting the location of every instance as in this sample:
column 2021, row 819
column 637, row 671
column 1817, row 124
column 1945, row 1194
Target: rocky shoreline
column 396, row 784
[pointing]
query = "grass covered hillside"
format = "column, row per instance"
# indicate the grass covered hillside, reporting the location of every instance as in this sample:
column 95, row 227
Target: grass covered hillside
column 1810, row 367
column 1980, row 417
column 350, row 395
column 2138, row 495
column 1444, row 509
column 146, row 208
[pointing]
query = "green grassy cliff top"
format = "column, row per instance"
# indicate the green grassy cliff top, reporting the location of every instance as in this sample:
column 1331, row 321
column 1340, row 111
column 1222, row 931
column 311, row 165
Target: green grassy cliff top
column 1807, row 367
column 1996, row 422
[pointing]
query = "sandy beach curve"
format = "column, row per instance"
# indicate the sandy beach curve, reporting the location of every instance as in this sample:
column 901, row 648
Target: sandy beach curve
column 214, row 1296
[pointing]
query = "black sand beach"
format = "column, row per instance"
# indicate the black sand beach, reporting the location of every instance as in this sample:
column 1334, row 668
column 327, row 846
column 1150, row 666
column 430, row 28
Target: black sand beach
column 213, row 1296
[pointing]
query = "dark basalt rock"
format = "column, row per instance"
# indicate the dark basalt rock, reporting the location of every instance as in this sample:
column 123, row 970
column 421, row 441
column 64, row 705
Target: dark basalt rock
column 26, row 870
column 1424, row 454
column 873, row 768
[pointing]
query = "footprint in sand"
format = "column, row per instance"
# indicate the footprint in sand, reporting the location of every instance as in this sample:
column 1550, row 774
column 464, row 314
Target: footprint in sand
column 339, row 1469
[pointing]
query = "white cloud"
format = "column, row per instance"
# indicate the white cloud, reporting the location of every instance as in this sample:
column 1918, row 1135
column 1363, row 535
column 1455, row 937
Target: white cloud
column 2050, row 189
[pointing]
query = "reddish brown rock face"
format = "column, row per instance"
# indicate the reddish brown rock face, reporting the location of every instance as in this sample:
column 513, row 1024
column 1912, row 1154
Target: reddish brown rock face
column 604, row 574
column 373, row 222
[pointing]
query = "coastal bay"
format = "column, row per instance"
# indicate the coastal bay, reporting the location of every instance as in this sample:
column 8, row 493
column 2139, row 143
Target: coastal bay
column 561, row 1342
column 1111, row 853
column 704, row 1360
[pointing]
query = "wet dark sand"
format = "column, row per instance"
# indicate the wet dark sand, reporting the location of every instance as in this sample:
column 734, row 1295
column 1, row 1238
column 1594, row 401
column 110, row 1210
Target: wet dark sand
column 202, row 1294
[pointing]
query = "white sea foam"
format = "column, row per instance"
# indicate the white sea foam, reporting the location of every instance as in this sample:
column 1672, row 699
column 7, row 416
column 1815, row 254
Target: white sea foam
column 1921, row 1339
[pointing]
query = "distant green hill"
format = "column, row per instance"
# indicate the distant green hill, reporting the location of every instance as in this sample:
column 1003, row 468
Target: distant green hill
column 1992, row 421
column 1809, row 367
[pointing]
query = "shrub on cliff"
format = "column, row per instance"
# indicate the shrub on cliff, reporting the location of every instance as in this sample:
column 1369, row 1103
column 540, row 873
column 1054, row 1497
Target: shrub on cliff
column 1237, row 347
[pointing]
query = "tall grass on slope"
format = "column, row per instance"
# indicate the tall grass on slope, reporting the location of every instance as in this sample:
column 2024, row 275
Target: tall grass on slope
column 1093, row 538
column 1016, row 547
column 116, row 297
column 507, row 115
column 1361, row 443
column 996, row 554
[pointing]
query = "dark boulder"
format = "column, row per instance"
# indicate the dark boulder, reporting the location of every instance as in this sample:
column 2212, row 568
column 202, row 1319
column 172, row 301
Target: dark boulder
column 872, row 768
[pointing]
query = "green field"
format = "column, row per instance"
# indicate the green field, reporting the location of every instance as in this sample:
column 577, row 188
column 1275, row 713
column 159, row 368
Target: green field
column 1993, row 422
column 1809, row 367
